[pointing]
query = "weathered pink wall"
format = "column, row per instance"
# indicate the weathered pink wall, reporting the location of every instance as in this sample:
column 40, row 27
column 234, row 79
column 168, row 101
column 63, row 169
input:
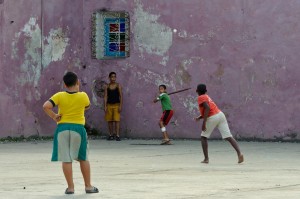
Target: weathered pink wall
column 246, row 51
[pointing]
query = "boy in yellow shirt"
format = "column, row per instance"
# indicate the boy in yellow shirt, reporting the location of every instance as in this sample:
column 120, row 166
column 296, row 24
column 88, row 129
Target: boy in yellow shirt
column 70, row 138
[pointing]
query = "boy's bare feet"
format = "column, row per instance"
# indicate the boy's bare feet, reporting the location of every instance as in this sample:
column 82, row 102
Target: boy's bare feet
column 241, row 158
column 205, row 161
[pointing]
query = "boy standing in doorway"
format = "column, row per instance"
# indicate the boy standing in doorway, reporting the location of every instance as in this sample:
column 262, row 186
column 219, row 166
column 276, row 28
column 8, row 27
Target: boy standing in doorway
column 113, row 101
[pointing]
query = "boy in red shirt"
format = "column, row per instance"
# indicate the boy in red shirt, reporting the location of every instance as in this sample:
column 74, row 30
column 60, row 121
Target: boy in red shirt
column 213, row 117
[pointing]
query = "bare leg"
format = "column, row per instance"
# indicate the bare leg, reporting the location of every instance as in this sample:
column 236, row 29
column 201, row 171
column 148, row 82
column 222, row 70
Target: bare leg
column 117, row 128
column 161, row 124
column 111, row 128
column 86, row 173
column 165, row 134
column 205, row 149
column 235, row 145
column 68, row 172
column 166, row 139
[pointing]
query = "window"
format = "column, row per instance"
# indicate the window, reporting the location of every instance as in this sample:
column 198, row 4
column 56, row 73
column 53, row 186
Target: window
column 110, row 35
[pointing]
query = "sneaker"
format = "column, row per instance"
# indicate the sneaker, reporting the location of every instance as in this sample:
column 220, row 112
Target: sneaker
column 118, row 138
column 111, row 137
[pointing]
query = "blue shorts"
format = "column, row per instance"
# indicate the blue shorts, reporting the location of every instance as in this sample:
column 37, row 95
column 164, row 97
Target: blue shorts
column 70, row 143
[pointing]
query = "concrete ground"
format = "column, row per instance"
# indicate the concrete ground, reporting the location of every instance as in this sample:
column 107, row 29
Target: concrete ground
column 142, row 169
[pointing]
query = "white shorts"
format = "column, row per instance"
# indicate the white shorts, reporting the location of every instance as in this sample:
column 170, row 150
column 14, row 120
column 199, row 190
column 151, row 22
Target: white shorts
column 218, row 120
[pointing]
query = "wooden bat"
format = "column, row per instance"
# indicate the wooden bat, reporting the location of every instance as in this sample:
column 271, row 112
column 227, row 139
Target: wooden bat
column 179, row 91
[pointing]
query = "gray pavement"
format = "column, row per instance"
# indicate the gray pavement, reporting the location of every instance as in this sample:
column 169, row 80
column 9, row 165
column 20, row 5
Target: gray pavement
column 142, row 169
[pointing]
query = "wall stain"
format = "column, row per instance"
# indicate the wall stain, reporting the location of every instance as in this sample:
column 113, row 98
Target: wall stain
column 99, row 87
column 220, row 71
column 182, row 75
column 55, row 46
column 151, row 36
column 140, row 104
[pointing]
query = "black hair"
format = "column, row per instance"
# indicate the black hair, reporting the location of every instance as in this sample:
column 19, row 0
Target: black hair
column 162, row 85
column 201, row 89
column 70, row 79
column 111, row 73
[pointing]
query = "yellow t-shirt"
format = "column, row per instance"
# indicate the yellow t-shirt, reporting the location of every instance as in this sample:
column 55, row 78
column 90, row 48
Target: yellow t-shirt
column 71, row 106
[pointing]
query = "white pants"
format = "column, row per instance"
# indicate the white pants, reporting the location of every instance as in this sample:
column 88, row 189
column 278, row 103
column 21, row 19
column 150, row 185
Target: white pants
column 218, row 120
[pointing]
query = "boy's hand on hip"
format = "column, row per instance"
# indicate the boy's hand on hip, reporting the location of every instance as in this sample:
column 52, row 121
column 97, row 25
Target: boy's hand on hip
column 57, row 117
column 120, row 109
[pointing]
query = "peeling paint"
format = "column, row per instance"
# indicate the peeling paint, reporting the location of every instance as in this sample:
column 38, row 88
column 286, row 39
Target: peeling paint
column 251, row 61
column 183, row 34
column 57, row 41
column 95, row 100
column 29, row 96
column 182, row 75
column 157, row 79
column 14, row 48
column 140, row 104
column 77, row 62
column 164, row 60
column 151, row 36
column 190, row 103
column 31, row 67
column 203, row 39
column 127, row 66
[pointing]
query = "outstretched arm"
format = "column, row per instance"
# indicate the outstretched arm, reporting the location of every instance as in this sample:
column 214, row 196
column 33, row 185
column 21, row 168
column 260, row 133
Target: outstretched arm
column 156, row 99
column 48, row 109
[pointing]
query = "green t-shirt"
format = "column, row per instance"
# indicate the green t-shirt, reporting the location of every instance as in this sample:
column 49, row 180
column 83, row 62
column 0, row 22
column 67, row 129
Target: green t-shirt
column 165, row 101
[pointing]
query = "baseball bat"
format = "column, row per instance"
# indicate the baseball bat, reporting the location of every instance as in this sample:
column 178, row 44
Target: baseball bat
column 178, row 91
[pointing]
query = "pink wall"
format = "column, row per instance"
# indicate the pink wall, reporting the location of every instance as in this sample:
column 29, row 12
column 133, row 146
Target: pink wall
column 246, row 51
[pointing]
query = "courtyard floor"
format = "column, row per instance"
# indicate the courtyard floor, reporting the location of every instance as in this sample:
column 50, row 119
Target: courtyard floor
column 143, row 169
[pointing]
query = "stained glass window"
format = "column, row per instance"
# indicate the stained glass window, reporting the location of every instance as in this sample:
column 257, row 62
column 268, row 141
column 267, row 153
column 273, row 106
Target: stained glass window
column 110, row 35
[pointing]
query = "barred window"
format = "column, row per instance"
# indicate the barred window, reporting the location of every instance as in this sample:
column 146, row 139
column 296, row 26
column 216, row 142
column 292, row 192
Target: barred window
column 110, row 34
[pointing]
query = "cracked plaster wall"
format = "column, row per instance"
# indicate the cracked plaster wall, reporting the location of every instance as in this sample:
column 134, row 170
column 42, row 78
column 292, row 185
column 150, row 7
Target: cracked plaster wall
column 246, row 54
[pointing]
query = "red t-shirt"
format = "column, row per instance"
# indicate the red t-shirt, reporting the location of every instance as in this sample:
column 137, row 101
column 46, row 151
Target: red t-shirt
column 213, row 107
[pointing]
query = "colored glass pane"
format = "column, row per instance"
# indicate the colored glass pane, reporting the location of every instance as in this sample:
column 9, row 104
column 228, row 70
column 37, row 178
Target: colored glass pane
column 122, row 47
column 113, row 37
column 122, row 27
column 113, row 47
column 114, row 28
column 122, row 37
